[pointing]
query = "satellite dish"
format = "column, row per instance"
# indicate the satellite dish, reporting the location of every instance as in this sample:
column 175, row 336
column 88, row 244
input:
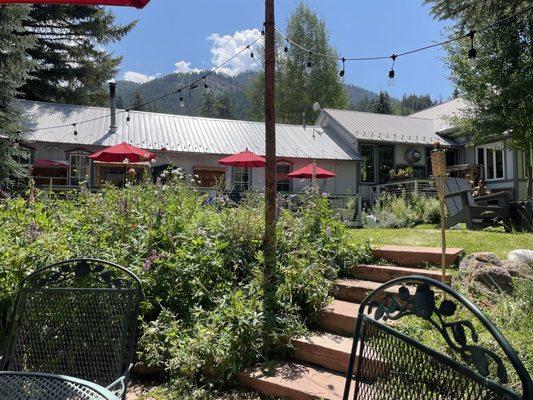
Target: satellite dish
column 316, row 106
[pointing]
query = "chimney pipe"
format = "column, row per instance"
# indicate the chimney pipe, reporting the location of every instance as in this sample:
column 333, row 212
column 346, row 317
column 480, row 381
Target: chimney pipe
column 113, row 106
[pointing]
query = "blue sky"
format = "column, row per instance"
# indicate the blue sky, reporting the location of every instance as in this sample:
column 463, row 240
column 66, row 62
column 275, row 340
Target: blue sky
column 181, row 35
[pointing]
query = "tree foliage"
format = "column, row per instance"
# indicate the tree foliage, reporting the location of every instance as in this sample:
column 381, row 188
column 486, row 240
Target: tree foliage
column 499, row 90
column 14, row 67
column 382, row 104
column 299, row 87
column 69, row 49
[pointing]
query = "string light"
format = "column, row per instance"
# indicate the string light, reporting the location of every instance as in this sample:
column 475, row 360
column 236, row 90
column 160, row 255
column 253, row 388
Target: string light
column 343, row 70
column 75, row 130
column 251, row 51
column 286, row 48
column 391, row 72
column 128, row 119
column 206, row 87
column 182, row 103
column 192, row 87
column 472, row 53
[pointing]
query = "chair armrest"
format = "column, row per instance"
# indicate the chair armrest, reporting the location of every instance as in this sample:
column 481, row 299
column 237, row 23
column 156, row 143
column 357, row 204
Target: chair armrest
column 118, row 387
column 492, row 196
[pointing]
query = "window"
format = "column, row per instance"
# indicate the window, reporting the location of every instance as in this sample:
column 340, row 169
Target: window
column 527, row 162
column 80, row 168
column 385, row 162
column 367, row 163
column 209, row 176
column 241, row 179
column 283, row 181
column 491, row 158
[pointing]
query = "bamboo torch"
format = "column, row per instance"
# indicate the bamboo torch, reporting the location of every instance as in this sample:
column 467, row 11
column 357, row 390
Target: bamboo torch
column 438, row 164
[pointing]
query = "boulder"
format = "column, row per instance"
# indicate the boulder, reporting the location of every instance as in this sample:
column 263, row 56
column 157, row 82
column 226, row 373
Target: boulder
column 518, row 269
column 477, row 260
column 495, row 278
column 522, row 255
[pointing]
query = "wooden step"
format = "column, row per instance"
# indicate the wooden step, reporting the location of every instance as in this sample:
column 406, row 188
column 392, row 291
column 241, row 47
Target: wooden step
column 412, row 255
column 339, row 317
column 296, row 381
column 324, row 349
column 384, row 273
column 355, row 290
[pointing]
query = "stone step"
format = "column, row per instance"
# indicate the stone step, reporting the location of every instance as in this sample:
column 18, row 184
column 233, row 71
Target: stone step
column 355, row 290
column 384, row 273
column 412, row 255
column 296, row 381
column 339, row 317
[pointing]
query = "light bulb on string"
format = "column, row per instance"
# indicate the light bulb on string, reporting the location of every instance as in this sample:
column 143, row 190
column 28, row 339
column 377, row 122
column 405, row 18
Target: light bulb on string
column 182, row 103
column 391, row 72
column 206, row 86
column 75, row 130
column 472, row 53
column 309, row 63
column 286, row 49
column 251, row 52
column 192, row 87
column 343, row 70
column 128, row 118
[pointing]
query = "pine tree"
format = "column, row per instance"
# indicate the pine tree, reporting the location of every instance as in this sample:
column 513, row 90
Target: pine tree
column 298, row 87
column 137, row 102
column 382, row 104
column 70, row 41
column 223, row 108
column 208, row 104
column 14, row 68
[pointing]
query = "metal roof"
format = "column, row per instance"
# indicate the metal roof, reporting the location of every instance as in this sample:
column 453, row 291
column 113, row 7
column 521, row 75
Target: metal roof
column 441, row 114
column 176, row 133
column 386, row 128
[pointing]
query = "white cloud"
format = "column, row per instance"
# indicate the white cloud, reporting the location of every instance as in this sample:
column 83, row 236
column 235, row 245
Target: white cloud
column 184, row 66
column 138, row 77
column 225, row 46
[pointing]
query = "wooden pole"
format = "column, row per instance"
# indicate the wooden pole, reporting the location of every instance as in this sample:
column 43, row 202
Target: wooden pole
column 270, row 170
column 441, row 181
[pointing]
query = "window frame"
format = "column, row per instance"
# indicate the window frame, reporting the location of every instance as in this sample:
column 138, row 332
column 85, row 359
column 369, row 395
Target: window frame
column 284, row 182
column 240, row 183
column 524, row 166
column 363, row 161
column 80, row 153
column 494, row 148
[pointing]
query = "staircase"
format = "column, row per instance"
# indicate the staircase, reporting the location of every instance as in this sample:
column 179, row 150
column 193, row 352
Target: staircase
column 320, row 360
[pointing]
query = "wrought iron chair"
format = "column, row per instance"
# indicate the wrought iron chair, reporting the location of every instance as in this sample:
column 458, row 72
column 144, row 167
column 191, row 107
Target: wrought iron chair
column 76, row 318
column 408, row 369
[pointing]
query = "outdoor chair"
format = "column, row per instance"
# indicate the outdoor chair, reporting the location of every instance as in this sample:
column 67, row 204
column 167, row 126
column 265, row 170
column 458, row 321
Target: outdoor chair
column 76, row 318
column 476, row 212
column 388, row 364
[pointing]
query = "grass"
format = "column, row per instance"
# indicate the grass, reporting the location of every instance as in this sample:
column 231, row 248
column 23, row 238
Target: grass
column 426, row 235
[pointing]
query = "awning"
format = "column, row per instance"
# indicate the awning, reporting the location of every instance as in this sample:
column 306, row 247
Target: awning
column 40, row 163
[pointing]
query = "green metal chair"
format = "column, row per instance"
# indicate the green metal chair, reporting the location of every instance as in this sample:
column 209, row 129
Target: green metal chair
column 76, row 318
column 388, row 364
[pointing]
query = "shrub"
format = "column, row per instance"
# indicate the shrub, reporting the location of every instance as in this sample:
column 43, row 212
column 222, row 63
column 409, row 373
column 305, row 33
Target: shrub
column 200, row 265
column 406, row 210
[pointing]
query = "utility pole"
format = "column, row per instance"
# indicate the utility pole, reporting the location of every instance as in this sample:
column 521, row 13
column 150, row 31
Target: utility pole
column 270, row 170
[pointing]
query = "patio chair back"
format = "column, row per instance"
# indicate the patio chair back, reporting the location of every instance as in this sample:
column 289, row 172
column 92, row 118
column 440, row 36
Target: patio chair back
column 386, row 363
column 76, row 318
column 456, row 191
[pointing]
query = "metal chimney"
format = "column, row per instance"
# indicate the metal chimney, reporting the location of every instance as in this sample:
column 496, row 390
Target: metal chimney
column 113, row 106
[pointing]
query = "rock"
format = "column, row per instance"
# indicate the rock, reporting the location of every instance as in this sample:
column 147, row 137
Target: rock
column 522, row 255
column 476, row 260
column 518, row 269
column 142, row 369
column 496, row 278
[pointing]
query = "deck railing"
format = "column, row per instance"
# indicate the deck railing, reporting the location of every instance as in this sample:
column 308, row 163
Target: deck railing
column 416, row 186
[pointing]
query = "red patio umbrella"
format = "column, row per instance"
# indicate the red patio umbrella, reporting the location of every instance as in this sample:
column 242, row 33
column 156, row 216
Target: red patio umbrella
column 121, row 152
column 307, row 172
column 126, row 3
column 244, row 159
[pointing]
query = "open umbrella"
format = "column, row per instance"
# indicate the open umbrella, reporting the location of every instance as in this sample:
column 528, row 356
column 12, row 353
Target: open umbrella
column 126, row 3
column 244, row 159
column 122, row 152
column 307, row 172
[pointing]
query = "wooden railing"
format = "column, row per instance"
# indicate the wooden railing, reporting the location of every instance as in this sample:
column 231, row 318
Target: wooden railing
column 416, row 186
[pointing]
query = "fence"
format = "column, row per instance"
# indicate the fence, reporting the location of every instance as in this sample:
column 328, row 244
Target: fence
column 416, row 186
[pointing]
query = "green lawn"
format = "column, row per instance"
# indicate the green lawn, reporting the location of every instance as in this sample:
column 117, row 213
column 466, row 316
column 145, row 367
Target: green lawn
column 426, row 235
